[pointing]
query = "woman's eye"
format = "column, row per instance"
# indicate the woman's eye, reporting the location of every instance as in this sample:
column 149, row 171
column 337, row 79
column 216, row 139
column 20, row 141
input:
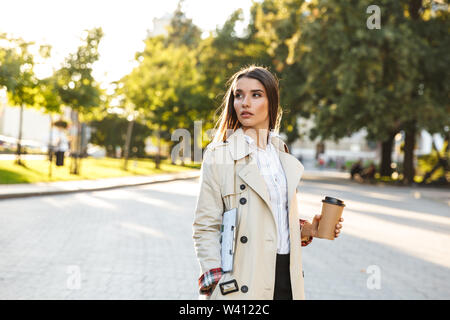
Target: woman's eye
column 238, row 95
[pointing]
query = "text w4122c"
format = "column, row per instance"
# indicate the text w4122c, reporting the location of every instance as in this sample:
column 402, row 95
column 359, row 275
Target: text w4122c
column 246, row 309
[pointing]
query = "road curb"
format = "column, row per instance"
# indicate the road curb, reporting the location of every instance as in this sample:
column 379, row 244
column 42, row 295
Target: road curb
column 150, row 180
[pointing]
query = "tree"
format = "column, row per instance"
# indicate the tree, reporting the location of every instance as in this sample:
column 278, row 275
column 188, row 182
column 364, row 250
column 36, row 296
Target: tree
column 181, row 30
column 78, row 88
column 110, row 132
column 382, row 79
column 277, row 25
column 168, row 87
column 164, row 87
column 222, row 54
column 17, row 75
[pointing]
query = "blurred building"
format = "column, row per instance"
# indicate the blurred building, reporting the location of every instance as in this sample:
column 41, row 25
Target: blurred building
column 348, row 148
column 35, row 126
column 159, row 25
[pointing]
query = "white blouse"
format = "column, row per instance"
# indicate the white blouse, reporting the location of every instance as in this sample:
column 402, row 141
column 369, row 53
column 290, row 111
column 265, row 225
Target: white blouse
column 272, row 171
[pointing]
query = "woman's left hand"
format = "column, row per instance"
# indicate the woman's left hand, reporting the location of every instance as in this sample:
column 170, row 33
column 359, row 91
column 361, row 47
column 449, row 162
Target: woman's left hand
column 338, row 228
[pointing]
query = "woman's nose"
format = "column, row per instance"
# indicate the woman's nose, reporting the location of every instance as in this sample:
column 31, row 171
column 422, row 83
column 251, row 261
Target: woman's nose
column 246, row 101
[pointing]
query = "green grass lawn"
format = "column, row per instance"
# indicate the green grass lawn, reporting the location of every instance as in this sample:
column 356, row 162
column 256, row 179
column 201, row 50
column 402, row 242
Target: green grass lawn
column 91, row 168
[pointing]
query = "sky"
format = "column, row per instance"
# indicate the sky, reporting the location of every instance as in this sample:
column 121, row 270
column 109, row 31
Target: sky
column 60, row 23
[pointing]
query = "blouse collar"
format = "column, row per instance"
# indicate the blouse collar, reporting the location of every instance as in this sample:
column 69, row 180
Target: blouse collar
column 252, row 142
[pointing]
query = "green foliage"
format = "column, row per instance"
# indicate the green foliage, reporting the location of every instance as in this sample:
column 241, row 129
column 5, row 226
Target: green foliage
column 17, row 75
column 277, row 25
column 48, row 97
column 163, row 87
column 16, row 71
column 111, row 131
column 330, row 65
column 182, row 31
column 374, row 79
column 221, row 55
column 75, row 83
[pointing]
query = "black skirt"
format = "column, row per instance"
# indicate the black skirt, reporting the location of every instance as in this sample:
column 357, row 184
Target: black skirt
column 283, row 289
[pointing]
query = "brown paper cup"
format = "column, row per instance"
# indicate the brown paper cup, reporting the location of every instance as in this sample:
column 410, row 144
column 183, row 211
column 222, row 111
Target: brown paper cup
column 331, row 213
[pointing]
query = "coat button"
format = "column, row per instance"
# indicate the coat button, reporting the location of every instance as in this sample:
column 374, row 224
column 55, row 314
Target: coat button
column 244, row 289
column 244, row 239
column 243, row 201
column 242, row 186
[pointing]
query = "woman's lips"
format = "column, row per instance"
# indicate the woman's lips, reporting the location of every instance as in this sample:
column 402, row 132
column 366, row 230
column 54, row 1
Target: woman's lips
column 246, row 115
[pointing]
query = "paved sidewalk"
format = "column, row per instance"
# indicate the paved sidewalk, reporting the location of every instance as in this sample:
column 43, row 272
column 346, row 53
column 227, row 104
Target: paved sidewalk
column 22, row 190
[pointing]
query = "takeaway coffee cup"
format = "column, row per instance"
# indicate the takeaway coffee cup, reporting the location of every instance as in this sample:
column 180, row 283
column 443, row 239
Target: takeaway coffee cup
column 331, row 213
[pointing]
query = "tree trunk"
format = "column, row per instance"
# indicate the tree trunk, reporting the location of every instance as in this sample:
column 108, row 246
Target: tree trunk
column 19, row 139
column 408, row 160
column 127, row 144
column 386, row 155
column 75, row 144
column 414, row 8
column 410, row 129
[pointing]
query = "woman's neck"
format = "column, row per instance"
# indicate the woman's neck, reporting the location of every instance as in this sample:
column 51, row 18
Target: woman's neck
column 261, row 136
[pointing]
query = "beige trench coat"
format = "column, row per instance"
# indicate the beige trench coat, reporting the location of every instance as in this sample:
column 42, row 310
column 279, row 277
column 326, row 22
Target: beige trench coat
column 255, row 258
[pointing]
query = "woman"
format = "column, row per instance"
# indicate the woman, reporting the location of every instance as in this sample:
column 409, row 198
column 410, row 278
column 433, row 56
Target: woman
column 249, row 167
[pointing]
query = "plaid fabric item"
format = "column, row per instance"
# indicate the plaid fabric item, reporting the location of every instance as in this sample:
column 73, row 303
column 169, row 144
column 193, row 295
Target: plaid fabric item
column 308, row 241
column 209, row 280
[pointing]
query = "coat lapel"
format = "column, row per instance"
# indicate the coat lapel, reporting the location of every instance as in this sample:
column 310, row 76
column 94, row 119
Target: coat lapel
column 251, row 176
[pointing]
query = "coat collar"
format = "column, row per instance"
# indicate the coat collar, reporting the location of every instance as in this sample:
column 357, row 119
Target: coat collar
column 239, row 149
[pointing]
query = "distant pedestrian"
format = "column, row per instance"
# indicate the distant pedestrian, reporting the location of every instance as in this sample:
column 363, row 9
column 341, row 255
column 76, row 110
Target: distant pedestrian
column 356, row 170
column 249, row 167
column 321, row 161
column 61, row 146
column 369, row 172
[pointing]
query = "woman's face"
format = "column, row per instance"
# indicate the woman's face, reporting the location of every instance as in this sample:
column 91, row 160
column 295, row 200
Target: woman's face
column 251, row 104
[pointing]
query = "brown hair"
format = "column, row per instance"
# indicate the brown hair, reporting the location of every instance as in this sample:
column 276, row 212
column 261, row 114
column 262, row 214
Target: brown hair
column 228, row 121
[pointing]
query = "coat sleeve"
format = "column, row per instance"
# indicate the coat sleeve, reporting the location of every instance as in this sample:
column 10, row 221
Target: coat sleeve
column 208, row 216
